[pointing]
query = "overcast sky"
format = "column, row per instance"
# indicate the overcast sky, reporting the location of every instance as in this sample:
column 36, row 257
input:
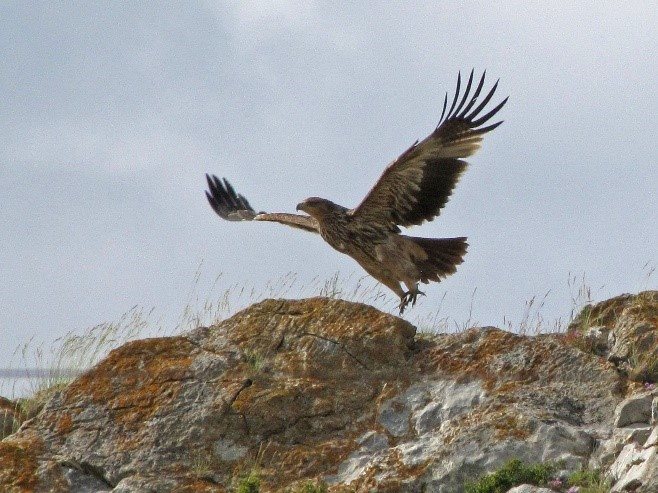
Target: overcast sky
column 111, row 113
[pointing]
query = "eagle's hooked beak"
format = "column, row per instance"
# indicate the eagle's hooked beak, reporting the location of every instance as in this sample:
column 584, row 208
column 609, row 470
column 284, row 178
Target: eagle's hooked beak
column 300, row 206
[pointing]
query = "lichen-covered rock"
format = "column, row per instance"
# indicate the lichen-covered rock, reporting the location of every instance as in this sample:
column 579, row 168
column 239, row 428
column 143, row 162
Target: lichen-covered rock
column 603, row 314
column 631, row 325
column 321, row 390
column 10, row 417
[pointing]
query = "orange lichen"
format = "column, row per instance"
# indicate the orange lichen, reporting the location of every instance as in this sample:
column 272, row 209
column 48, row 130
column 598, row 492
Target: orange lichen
column 376, row 479
column 511, row 426
column 64, row 424
column 18, row 464
column 136, row 379
column 465, row 362
column 501, row 420
column 198, row 485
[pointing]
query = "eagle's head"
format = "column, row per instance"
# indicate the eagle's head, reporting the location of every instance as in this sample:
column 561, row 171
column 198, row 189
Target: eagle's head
column 318, row 207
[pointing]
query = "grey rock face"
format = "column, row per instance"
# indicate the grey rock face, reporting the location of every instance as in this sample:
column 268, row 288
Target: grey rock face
column 635, row 409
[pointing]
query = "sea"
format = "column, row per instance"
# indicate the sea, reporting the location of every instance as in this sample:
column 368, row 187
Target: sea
column 24, row 382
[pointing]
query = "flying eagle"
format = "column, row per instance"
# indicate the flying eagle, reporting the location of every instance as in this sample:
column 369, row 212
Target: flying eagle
column 413, row 189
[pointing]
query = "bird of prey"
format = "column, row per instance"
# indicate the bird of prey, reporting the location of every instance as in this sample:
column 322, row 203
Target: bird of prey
column 412, row 189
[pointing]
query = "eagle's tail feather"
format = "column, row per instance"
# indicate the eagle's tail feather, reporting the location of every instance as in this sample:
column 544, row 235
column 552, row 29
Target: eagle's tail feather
column 443, row 256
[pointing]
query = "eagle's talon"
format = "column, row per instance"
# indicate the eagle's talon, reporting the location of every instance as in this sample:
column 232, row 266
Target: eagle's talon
column 405, row 299
column 409, row 297
column 416, row 296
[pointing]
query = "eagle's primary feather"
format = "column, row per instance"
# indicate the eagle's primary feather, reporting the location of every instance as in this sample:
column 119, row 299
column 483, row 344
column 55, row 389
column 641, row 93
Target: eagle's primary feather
column 234, row 207
column 413, row 189
column 416, row 186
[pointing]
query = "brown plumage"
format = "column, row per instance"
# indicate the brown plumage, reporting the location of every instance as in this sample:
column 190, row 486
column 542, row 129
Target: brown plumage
column 412, row 189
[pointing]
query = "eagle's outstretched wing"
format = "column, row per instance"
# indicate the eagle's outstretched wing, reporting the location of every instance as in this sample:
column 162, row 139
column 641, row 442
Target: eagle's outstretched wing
column 232, row 206
column 418, row 184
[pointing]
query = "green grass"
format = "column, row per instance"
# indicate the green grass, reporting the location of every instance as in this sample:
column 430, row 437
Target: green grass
column 589, row 481
column 513, row 473
column 255, row 360
column 311, row 487
column 249, row 483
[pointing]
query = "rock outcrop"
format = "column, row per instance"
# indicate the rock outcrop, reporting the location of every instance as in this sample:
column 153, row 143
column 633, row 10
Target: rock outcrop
column 10, row 417
column 331, row 391
column 623, row 329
